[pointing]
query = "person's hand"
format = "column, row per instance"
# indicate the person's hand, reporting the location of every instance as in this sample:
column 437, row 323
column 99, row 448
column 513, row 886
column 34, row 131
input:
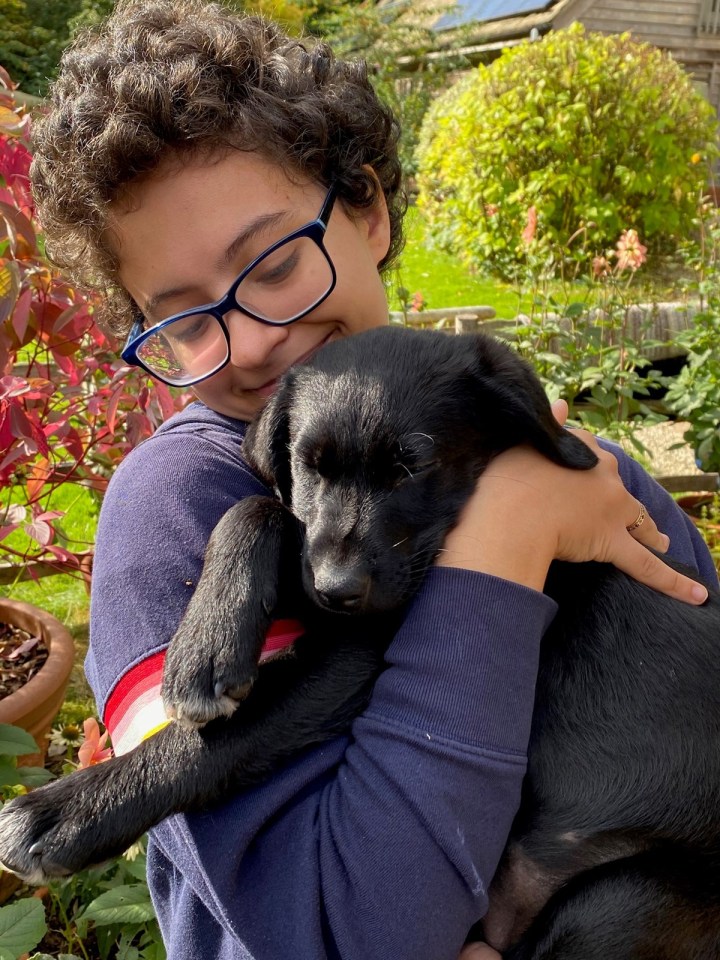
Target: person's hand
column 478, row 951
column 527, row 511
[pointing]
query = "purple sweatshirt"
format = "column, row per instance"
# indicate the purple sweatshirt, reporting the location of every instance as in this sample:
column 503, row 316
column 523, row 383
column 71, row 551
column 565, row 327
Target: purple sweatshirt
column 376, row 846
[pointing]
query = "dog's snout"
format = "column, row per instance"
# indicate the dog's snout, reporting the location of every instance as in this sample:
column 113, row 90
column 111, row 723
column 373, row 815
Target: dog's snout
column 341, row 588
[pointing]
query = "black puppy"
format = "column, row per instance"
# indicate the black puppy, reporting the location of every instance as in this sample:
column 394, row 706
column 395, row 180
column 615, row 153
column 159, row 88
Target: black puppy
column 372, row 449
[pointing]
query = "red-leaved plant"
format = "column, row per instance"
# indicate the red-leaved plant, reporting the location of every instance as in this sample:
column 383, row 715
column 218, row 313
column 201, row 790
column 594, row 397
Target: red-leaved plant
column 69, row 408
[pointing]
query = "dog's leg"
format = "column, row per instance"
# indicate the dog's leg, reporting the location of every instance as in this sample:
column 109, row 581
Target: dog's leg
column 212, row 660
column 94, row 814
column 657, row 905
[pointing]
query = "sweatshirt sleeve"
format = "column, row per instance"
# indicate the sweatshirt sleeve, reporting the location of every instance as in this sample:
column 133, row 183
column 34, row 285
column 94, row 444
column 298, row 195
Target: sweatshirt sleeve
column 686, row 544
column 377, row 845
column 381, row 844
column 157, row 515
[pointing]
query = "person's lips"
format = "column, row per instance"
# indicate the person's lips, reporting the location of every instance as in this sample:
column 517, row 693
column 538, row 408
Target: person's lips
column 266, row 390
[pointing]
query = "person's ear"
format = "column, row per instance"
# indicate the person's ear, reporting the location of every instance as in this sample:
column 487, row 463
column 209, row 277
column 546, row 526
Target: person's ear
column 376, row 220
column 267, row 441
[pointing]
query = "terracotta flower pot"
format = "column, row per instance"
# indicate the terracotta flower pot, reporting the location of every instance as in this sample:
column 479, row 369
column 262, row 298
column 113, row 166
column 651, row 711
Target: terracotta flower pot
column 35, row 705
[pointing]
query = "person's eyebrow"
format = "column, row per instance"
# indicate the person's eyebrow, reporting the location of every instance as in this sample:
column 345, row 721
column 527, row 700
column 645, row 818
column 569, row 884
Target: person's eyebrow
column 257, row 226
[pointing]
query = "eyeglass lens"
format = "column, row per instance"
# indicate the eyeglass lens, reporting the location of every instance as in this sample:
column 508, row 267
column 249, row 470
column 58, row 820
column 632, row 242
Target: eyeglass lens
column 283, row 285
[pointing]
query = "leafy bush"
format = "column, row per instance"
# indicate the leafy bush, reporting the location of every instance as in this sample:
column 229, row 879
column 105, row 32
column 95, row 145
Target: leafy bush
column 587, row 336
column 100, row 913
column 594, row 132
column 394, row 40
column 15, row 743
column 694, row 394
column 69, row 408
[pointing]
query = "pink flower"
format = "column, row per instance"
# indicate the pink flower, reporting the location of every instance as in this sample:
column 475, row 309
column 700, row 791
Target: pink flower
column 93, row 749
column 600, row 267
column 417, row 303
column 528, row 233
column 630, row 252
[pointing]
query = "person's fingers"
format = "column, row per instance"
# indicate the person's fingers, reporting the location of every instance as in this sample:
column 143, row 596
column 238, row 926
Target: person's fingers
column 646, row 568
column 644, row 529
column 479, row 951
column 640, row 525
column 560, row 411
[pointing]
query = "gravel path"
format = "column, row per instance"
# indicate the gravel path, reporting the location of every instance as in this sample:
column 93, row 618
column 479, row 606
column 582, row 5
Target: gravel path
column 666, row 462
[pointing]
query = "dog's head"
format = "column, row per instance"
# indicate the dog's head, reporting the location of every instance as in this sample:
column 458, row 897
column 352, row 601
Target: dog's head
column 376, row 444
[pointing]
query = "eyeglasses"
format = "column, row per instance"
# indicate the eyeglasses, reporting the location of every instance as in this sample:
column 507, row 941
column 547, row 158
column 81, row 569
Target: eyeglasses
column 281, row 285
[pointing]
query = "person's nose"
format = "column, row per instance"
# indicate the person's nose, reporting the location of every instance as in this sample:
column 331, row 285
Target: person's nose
column 252, row 342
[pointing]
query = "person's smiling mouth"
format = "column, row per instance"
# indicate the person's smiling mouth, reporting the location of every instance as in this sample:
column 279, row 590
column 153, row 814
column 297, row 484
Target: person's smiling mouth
column 267, row 389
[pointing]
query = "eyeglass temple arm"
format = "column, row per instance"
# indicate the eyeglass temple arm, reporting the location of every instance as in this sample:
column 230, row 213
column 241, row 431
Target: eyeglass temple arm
column 135, row 331
column 327, row 207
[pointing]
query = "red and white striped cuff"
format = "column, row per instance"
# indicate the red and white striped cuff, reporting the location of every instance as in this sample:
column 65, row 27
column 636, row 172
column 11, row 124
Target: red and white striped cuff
column 135, row 711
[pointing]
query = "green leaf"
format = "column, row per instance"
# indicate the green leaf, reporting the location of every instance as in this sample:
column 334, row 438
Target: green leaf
column 154, row 950
column 9, row 776
column 34, row 776
column 129, row 903
column 22, row 926
column 15, row 742
column 575, row 309
column 60, row 956
column 137, row 868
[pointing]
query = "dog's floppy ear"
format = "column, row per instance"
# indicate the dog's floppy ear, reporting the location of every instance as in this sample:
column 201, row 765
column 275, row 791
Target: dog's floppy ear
column 514, row 402
column 267, row 442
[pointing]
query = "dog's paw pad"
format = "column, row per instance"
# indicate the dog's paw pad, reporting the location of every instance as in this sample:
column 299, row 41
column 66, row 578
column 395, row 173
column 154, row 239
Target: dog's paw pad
column 24, row 845
column 194, row 712
column 236, row 692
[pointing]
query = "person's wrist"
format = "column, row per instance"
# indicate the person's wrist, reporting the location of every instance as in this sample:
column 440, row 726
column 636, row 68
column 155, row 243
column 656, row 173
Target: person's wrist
column 500, row 533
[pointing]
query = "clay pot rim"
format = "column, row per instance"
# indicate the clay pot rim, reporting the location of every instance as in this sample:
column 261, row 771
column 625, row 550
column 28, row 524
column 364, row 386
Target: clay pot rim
column 56, row 669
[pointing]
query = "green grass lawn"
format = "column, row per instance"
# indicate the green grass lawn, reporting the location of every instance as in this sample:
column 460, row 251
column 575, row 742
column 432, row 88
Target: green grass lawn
column 64, row 596
column 443, row 281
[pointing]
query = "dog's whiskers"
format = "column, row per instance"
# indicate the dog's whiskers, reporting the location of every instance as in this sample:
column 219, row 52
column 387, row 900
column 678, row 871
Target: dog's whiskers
column 404, row 539
column 427, row 437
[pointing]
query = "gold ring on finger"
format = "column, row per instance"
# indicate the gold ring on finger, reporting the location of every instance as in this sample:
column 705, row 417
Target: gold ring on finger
column 641, row 516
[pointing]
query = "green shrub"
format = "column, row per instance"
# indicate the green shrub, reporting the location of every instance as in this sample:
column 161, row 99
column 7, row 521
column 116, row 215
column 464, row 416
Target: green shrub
column 596, row 132
column 694, row 394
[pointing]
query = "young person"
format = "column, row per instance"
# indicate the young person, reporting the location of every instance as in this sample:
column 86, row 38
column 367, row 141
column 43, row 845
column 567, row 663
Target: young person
column 183, row 143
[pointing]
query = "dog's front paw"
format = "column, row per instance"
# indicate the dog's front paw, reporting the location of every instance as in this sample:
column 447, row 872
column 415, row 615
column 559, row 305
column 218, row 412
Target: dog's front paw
column 22, row 851
column 208, row 680
column 56, row 830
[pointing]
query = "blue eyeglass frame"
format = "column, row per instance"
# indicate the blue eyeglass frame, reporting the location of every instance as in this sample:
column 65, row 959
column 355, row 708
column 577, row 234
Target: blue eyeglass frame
column 315, row 230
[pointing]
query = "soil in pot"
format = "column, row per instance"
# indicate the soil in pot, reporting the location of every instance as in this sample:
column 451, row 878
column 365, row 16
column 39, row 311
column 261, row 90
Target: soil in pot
column 21, row 656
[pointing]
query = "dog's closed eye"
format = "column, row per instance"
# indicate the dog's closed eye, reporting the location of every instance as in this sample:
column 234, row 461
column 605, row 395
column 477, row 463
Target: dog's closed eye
column 403, row 470
column 323, row 460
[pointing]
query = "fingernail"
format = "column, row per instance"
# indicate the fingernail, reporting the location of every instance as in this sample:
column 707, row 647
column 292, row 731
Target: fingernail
column 666, row 542
column 699, row 593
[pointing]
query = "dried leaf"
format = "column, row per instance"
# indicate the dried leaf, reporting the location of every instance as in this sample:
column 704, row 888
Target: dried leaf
column 24, row 648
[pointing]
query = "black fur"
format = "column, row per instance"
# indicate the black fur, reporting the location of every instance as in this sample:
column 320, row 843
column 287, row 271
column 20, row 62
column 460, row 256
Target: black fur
column 372, row 449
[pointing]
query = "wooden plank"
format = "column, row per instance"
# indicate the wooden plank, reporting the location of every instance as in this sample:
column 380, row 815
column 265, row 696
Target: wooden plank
column 642, row 15
column 442, row 313
column 609, row 22
column 709, row 17
column 691, row 483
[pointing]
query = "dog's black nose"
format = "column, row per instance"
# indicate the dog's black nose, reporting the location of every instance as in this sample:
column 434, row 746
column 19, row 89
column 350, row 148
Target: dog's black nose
column 342, row 590
column 349, row 604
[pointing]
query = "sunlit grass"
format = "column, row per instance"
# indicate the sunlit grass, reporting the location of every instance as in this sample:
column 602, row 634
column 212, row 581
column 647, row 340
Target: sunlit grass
column 442, row 280
column 62, row 595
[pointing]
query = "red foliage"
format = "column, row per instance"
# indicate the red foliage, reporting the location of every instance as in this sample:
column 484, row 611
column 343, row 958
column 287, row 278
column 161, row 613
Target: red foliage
column 69, row 408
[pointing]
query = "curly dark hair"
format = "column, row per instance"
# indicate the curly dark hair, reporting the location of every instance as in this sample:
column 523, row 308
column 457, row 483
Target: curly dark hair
column 164, row 78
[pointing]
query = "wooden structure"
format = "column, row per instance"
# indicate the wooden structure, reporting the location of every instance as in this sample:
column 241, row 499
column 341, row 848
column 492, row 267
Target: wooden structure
column 481, row 29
